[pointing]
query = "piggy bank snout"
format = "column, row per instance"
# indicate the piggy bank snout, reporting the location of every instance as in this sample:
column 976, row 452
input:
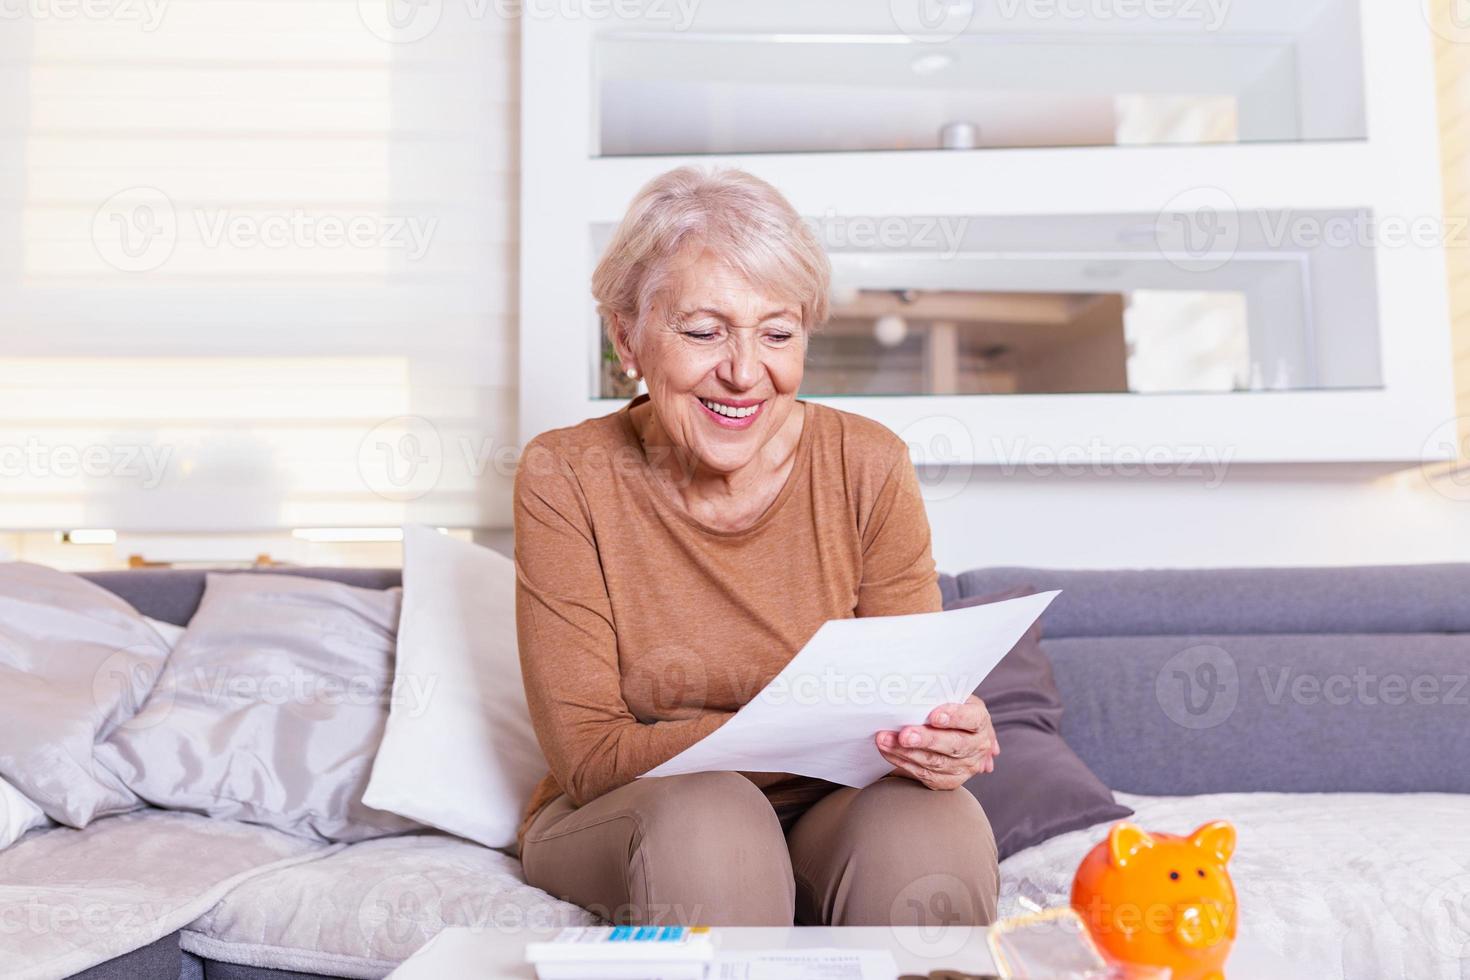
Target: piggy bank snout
column 1202, row 924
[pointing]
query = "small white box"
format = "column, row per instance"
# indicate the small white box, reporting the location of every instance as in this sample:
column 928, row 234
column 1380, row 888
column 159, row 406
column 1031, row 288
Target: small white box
column 624, row 953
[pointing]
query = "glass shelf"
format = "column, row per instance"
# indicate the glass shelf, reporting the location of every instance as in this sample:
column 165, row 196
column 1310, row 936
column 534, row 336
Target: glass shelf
column 1268, row 78
column 1125, row 304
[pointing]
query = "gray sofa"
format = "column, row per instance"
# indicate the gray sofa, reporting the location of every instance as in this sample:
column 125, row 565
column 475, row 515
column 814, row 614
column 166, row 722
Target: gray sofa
column 1233, row 692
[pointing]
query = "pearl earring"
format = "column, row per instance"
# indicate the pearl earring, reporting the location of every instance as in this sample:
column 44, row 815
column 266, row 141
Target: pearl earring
column 632, row 374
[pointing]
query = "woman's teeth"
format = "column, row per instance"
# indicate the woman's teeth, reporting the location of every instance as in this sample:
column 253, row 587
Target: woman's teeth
column 729, row 411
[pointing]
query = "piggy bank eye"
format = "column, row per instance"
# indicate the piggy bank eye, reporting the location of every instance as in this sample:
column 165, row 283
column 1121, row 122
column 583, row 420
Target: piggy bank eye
column 1173, row 876
column 1200, row 872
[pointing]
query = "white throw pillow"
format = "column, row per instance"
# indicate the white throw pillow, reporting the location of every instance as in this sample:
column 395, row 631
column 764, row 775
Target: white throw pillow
column 17, row 815
column 171, row 634
column 459, row 753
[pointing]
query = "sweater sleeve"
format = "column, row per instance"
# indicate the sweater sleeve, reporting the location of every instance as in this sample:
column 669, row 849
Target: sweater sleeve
column 569, row 645
column 898, row 576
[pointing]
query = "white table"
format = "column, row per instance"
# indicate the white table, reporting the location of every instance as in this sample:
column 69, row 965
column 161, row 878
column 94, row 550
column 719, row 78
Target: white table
column 494, row 954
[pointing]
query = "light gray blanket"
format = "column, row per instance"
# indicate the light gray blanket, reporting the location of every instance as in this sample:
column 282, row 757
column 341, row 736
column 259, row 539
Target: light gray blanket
column 71, row 899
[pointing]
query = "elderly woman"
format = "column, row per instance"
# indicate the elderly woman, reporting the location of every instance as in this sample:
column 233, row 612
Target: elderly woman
column 674, row 555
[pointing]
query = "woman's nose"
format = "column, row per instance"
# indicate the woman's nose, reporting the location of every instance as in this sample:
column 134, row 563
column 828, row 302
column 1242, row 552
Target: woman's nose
column 741, row 368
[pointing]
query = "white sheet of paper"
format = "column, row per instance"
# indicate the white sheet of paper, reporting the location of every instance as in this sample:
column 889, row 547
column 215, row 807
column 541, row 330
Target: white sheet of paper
column 804, row 964
column 854, row 678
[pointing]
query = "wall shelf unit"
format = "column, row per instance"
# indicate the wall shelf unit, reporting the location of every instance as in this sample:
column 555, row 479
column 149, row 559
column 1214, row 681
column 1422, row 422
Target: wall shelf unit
column 1247, row 207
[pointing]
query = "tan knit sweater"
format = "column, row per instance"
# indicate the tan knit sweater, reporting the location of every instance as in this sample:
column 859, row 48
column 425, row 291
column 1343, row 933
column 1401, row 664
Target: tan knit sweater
column 641, row 629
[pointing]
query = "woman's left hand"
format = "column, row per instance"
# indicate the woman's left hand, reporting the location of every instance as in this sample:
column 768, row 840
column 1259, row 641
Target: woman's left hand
column 956, row 741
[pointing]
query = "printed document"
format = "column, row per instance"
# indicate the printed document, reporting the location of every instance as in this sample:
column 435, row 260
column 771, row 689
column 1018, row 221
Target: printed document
column 854, row 678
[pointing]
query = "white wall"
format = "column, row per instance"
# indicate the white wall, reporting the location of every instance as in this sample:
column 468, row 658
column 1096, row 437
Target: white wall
column 1258, row 515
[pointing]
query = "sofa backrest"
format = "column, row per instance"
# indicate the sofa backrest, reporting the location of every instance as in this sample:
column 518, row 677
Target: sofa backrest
column 1234, row 680
column 172, row 594
column 1198, row 680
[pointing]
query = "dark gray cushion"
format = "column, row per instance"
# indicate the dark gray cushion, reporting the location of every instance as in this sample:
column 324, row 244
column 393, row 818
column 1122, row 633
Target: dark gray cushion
column 158, row 960
column 1039, row 788
column 172, row 594
column 1179, row 602
column 1295, row 713
column 236, row 971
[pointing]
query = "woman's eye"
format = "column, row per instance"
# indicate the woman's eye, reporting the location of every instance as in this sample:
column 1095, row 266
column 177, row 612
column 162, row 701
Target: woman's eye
column 700, row 334
column 779, row 338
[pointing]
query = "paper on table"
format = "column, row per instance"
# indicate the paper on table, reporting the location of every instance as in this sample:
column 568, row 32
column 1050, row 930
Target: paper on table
column 804, row 964
column 853, row 679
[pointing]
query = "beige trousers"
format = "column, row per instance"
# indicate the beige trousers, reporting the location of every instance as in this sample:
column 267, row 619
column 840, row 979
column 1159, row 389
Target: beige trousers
column 709, row 849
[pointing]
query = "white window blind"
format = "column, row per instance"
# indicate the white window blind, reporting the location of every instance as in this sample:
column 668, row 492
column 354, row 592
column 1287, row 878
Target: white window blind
column 257, row 263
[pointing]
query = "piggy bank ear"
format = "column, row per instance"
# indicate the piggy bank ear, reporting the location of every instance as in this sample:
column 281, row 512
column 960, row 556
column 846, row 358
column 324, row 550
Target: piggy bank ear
column 1126, row 841
column 1216, row 838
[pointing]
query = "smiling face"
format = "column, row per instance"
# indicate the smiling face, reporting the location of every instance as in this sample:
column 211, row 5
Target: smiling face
column 723, row 366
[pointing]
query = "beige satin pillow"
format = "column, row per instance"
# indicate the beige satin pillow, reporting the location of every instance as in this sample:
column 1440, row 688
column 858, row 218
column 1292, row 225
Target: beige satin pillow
column 271, row 708
column 75, row 662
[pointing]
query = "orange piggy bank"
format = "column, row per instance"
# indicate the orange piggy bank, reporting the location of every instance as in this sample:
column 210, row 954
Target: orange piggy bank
column 1161, row 900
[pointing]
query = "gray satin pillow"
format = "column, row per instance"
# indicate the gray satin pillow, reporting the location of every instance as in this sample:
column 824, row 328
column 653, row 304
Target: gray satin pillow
column 1040, row 788
column 75, row 662
column 271, row 708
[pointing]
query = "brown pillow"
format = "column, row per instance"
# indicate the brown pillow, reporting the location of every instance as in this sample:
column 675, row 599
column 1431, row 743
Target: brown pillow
column 1040, row 788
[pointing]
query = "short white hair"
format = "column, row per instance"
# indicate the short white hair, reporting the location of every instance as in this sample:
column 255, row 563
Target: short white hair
column 742, row 220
